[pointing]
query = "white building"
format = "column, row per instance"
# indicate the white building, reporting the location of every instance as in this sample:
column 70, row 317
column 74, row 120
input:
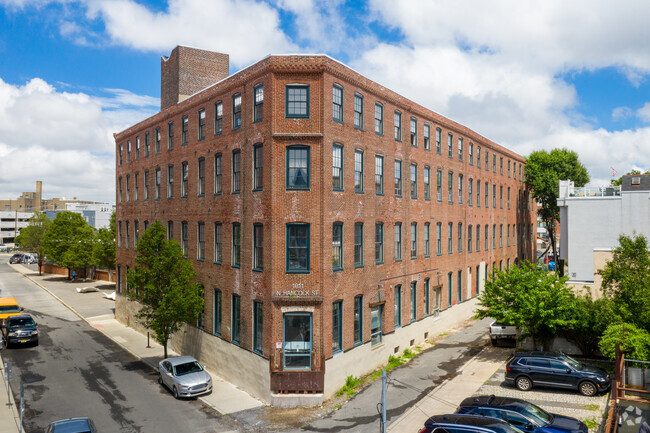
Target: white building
column 97, row 215
column 591, row 221
column 11, row 222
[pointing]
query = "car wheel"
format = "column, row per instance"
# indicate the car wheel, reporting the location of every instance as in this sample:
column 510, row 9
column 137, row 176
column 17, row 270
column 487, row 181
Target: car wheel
column 493, row 341
column 523, row 383
column 160, row 379
column 175, row 392
column 588, row 389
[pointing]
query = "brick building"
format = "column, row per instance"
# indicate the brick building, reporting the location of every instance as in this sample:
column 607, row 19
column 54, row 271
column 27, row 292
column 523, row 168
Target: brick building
column 330, row 220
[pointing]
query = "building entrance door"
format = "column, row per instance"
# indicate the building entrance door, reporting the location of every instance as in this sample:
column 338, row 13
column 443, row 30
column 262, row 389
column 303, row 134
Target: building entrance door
column 297, row 341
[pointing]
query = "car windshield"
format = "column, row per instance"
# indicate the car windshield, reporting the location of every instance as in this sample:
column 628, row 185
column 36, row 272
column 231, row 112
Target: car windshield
column 9, row 309
column 537, row 413
column 23, row 321
column 187, row 368
column 573, row 363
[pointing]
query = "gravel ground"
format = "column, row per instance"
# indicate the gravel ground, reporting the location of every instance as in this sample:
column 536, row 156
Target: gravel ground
column 590, row 410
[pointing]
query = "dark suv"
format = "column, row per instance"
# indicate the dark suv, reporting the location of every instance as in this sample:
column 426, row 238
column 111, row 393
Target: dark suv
column 20, row 329
column 456, row 423
column 521, row 414
column 555, row 369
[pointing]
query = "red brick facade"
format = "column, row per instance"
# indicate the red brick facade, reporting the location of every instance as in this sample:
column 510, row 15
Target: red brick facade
column 320, row 206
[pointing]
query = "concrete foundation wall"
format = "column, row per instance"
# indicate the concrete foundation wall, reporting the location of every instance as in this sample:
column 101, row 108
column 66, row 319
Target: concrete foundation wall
column 365, row 359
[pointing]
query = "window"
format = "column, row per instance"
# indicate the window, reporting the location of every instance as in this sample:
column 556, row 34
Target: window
column 337, row 103
column 258, row 103
column 438, row 141
column 471, row 153
column 128, row 235
column 398, row 125
column 494, row 163
column 235, row 325
column 478, row 157
column 514, row 170
column 258, row 164
column 258, row 327
column 379, row 119
column 236, row 111
column 158, row 140
column 136, row 232
column 508, row 197
column 157, row 180
column 298, row 167
column 184, row 127
column 379, row 175
column 201, row 174
column 439, row 239
column 460, row 149
column 414, row 295
column 128, row 188
column 470, row 238
column 398, row 242
column 201, row 125
column 414, row 180
column 398, row 178
column 120, row 153
column 218, row 161
column 450, row 187
column 236, row 171
column 146, row 184
column 135, row 186
column 478, row 239
column 184, row 178
column 414, row 132
column 200, row 241
column 184, row 238
column 376, row 322
column 358, row 111
column 460, row 286
column 460, row 189
column 427, row 308
column 218, row 118
column 258, row 247
column 508, row 168
column 501, row 197
column 337, row 167
column 427, row 137
column 128, row 151
column 119, row 189
column 414, row 240
column 358, row 171
column 170, row 230
column 487, row 160
column 450, row 145
column 216, row 311
column 137, row 148
column 439, row 185
column 358, row 245
column 450, row 238
column 487, row 244
column 379, row 243
column 494, row 236
column 487, row 192
column 147, row 144
column 427, row 238
column 508, row 236
column 170, row 181
column 236, row 245
column 337, row 326
column 119, row 234
column 501, row 165
column 358, row 319
column 218, row 243
column 478, row 193
column 427, row 183
column 500, row 235
column 460, row 237
column 297, row 253
column 398, row 306
column 297, row 100
column 337, row 246
column 470, row 192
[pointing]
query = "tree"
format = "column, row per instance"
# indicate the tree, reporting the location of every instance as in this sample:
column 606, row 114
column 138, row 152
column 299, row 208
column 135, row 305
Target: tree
column 619, row 181
column 626, row 280
column 534, row 300
column 31, row 237
column 69, row 241
column 544, row 170
column 162, row 280
column 104, row 253
column 634, row 341
column 591, row 319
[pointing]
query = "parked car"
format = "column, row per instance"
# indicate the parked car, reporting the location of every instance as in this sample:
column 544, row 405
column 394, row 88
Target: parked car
column 20, row 329
column 9, row 307
column 72, row 425
column 502, row 332
column 522, row 414
column 555, row 369
column 16, row 258
column 4, row 248
column 457, row 423
column 184, row 376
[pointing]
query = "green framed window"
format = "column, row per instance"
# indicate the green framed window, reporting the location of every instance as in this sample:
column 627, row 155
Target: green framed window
column 358, row 245
column 258, row 327
column 337, row 246
column 337, row 103
column 298, row 167
column 358, row 319
column 236, row 245
column 337, row 326
column 235, row 325
column 297, row 248
column 297, row 101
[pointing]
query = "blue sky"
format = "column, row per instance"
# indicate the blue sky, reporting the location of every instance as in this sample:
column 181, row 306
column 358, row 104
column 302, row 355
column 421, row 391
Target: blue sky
column 526, row 75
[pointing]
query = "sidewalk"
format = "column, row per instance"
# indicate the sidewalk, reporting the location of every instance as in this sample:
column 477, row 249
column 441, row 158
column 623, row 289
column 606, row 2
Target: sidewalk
column 99, row 312
column 9, row 418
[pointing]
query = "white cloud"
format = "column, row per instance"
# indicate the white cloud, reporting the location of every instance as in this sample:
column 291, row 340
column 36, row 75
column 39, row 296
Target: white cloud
column 64, row 139
column 622, row 113
column 643, row 113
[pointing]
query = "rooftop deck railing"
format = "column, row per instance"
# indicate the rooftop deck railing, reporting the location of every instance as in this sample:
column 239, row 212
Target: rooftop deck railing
column 596, row 191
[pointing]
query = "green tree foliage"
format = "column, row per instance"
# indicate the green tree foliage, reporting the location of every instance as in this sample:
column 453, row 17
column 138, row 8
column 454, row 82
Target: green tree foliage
column 534, row 300
column 626, row 281
column 104, row 253
column 544, row 170
column 69, row 241
column 634, row 341
column 162, row 282
column 31, row 237
column 619, row 181
column 591, row 319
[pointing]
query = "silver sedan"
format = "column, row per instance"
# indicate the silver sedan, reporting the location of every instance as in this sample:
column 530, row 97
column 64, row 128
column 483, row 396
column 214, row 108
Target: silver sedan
column 184, row 376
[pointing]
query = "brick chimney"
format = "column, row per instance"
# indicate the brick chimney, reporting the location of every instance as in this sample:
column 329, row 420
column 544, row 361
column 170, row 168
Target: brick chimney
column 38, row 197
column 188, row 70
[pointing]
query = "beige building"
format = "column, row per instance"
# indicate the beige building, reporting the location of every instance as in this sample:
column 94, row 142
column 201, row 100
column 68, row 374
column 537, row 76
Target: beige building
column 33, row 201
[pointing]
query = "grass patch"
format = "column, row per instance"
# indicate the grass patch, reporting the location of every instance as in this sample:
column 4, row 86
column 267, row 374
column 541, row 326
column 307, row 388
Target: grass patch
column 590, row 423
column 444, row 334
column 337, row 407
column 350, row 387
column 408, row 354
column 394, row 361
column 592, row 407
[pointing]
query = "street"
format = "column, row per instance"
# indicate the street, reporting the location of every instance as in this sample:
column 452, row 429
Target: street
column 77, row 371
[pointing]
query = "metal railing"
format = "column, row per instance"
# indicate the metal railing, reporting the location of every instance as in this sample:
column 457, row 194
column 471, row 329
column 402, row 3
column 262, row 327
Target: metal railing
column 595, row 191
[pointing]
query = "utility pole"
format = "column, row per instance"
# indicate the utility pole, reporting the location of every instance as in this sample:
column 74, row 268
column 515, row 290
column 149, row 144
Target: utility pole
column 383, row 401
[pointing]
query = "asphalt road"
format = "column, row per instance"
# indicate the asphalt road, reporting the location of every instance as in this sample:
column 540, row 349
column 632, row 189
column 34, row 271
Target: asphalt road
column 77, row 371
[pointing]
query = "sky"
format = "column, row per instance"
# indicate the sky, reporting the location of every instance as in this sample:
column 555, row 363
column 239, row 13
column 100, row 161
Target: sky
column 528, row 75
